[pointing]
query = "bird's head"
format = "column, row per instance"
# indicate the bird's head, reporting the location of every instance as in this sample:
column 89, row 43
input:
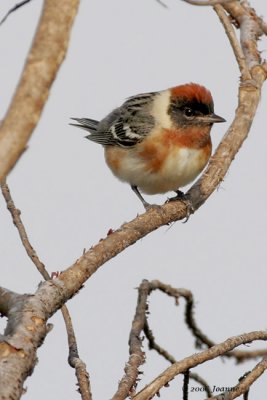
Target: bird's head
column 192, row 105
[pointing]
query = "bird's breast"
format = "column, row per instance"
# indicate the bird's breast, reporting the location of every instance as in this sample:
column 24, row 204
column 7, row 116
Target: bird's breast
column 177, row 155
column 161, row 162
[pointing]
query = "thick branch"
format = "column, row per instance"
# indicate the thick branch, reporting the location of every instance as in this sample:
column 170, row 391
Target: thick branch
column 20, row 121
column 45, row 57
column 25, row 331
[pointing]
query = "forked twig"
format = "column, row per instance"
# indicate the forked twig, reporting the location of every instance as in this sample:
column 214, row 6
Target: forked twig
column 74, row 360
column 145, row 290
column 153, row 345
column 201, row 337
column 196, row 359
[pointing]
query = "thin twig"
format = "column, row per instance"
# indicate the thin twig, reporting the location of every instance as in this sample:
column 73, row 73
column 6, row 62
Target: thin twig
column 186, row 385
column 189, row 316
column 197, row 378
column 202, row 338
column 74, row 360
column 16, row 7
column 243, row 386
column 238, row 52
column 128, row 383
column 199, row 358
column 245, row 395
column 153, row 345
column 15, row 213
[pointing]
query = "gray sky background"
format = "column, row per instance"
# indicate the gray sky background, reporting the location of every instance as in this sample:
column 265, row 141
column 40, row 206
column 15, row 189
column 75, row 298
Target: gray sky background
column 69, row 199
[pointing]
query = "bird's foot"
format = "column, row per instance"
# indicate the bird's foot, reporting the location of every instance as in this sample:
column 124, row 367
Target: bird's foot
column 179, row 196
column 186, row 200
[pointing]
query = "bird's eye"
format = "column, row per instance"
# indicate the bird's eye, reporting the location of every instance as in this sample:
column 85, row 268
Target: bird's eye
column 188, row 112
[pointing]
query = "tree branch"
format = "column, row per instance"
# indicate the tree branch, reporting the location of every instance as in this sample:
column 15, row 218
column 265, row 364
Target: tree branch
column 33, row 312
column 201, row 337
column 245, row 383
column 128, row 383
column 251, row 28
column 74, row 359
column 129, row 233
column 7, row 300
column 25, row 331
column 238, row 52
column 249, row 95
column 15, row 213
column 45, row 57
column 186, row 385
column 196, row 359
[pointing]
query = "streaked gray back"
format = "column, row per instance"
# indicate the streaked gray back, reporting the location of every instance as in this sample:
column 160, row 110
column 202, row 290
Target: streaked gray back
column 127, row 125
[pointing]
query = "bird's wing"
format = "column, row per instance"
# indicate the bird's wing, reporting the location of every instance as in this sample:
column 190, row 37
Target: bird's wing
column 128, row 124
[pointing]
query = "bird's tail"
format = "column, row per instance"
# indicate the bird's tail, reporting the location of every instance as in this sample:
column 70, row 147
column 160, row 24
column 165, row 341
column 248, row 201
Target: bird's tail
column 86, row 123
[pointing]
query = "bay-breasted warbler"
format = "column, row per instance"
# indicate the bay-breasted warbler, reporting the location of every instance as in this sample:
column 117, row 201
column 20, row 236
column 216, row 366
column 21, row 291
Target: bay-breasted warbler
column 159, row 141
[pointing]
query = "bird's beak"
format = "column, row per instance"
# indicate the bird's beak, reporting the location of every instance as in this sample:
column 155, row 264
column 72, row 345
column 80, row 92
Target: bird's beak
column 210, row 119
column 217, row 118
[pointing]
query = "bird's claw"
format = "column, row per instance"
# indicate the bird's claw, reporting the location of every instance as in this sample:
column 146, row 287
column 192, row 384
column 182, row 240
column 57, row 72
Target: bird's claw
column 181, row 196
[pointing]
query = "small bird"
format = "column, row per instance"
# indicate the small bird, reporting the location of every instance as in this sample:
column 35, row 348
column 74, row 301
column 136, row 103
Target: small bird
column 158, row 141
